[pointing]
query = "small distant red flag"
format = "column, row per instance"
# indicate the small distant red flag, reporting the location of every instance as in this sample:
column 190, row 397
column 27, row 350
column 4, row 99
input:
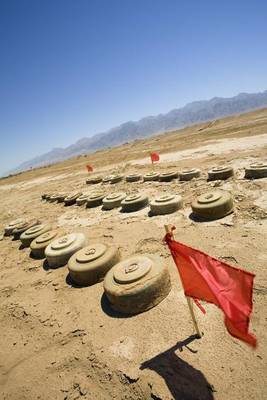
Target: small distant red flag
column 205, row 278
column 154, row 157
column 89, row 168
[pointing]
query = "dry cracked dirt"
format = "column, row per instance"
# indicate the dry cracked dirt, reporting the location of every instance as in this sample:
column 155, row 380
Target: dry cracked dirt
column 62, row 342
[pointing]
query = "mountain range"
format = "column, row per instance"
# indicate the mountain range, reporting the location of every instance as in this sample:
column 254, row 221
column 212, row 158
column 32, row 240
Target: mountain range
column 192, row 113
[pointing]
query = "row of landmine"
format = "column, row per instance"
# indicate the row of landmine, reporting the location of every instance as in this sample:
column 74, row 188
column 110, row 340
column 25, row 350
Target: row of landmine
column 253, row 171
column 210, row 205
column 132, row 285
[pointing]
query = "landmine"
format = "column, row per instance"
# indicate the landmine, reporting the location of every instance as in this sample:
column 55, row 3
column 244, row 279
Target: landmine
column 165, row 204
column 47, row 196
column 213, row 205
column 116, row 178
column 57, row 197
column 95, row 199
column 53, row 198
column 59, row 251
column 61, row 197
column 137, row 284
column 39, row 244
column 71, row 198
column 133, row 178
column 134, row 202
column 220, row 173
column 107, row 178
column 90, row 265
column 188, row 174
column 82, row 199
column 256, row 170
column 151, row 176
column 113, row 200
column 8, row 230
column 30, row 234
column 168, row 176
column 23, row 227
column 94, row 180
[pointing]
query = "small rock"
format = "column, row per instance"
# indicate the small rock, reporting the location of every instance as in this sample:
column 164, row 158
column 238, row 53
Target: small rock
column 227, row 223
column 216, row 183
column 131, row 375
column 78, row 332
column 82, row 391
column 33, row 268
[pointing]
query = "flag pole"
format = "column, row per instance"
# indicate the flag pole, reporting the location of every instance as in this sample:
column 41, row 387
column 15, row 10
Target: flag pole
column 189, row 300
column 190, row 305
column 152, row 162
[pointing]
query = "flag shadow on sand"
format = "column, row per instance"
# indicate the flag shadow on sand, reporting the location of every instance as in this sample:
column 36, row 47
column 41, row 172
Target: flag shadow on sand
column 183, row 381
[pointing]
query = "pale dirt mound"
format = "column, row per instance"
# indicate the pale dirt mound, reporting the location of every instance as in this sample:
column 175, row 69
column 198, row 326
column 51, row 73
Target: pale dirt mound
column 217, row 147
column 62, row 342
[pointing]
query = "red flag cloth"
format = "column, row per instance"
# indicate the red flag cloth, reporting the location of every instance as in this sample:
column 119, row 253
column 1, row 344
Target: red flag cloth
column 89, row 168
column 205, row 278
column 154, row 157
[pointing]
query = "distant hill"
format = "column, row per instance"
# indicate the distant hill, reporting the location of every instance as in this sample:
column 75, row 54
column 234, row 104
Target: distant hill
column 192, row 113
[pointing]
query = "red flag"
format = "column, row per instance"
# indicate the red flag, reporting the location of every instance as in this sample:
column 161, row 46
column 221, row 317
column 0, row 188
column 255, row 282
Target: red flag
column 154, row 157
column 89, row 168
column 205, row 278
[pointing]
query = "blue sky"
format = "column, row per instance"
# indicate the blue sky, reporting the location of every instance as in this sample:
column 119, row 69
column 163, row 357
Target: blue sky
column 70, row 69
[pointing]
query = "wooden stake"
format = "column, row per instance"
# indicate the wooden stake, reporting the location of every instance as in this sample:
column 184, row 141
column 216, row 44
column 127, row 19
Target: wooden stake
column 191, row 309
column 189, row 300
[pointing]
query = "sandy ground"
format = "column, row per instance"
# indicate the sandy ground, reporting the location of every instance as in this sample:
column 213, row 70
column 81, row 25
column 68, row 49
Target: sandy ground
column 218, row 147
column 62, row 342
